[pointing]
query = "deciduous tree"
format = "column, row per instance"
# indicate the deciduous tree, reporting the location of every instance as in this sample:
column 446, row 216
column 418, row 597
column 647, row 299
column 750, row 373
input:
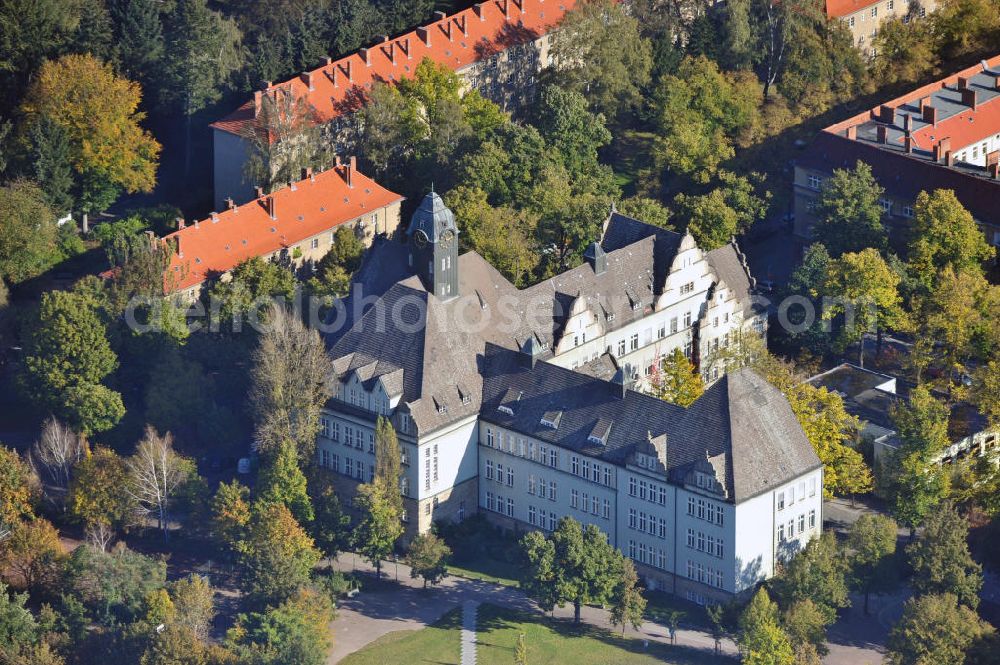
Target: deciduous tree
column 31, row 557
column 381, row 521
column 289, row 384
column 156, row 473
column 817, row 573
column 941, row 560
column 231, row 512
column 762, row 641
column 96, row 492
column 99, row 113
column 676, row 380
column 848, row 212
column 627, row 602
column 872, row 541
column 428, row 558
column 16, row 492
column 934, row 629
column 277, row 556
column 805, row 624
column 27, row 232
column 53, row 456
column 944, row 235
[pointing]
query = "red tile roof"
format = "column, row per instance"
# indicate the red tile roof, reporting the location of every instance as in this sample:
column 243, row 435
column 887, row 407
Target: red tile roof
column 303, row 209
column 454, row 41
column 842, row 8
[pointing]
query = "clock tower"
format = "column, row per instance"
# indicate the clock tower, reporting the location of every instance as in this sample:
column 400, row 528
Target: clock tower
column 433, row 238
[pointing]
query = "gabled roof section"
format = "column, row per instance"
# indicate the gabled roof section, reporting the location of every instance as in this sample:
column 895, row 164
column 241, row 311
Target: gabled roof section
column 210, row 247
column 456, row 41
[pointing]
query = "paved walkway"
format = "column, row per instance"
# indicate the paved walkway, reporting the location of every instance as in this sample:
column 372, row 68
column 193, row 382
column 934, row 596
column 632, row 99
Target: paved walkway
column 470, row 609
column 408, row 606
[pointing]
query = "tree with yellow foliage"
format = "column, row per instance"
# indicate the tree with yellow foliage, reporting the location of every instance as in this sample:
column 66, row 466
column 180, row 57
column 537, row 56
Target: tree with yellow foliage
column 98, row 112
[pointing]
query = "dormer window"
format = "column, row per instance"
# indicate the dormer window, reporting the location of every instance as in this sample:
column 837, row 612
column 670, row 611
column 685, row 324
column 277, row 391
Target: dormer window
column 503, row 408
column 551, row 419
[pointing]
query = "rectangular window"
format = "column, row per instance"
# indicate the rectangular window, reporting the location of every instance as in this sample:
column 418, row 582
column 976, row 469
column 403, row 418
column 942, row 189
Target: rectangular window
column 607, row 509
column 510, row 475
column 701, row 509
column 510, row 507
column 687, row 319
column 621, row 348
column 489, row 473
column 691, row 506
column 802, row 523
column 701, row 541
column 812, row 519
column 673, row 325
column 553, row 458
column 552, row 490
column 781, row 500
column 489, row 437
column 631, row 518
column 607, row 476
column 781, row 533
column 634, row 341
column 360, row 471
column 791, row 528
column 348, row 466
column 632, row 485
column 574, row 465
column 631, row 549
column 812, row 487
column 336, row 463
column 531, row 515
column 596, row 473
column 720, row 550
column 594, row 507
column 543, row 487
column 816, row 181
column 574, row 499
column 490, row 501
column 791, row 495
column 663, row 528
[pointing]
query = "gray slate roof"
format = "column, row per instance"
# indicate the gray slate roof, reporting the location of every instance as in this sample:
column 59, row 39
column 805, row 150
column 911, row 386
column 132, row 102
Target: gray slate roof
column 742, row 425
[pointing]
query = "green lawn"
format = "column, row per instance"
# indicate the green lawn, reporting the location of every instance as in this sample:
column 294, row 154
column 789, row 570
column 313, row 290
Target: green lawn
column 488, row 570
column 550, row 641
column 437, row 644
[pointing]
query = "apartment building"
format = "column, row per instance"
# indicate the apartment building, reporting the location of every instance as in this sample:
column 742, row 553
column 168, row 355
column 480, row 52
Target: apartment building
column 863, row 17
column 295, row 224
column 498, row 47
column 488, row 389
column 945, row 135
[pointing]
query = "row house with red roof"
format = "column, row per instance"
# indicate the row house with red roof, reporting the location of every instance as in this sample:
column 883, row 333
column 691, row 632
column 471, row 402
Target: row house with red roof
column 498, row 47
column 863, row 17
column 944, row 135
column 295, row 224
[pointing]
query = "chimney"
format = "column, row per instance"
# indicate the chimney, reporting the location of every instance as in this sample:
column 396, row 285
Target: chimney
column 425, row 35
column 941, row 149
column 180, row 223
column 887, row 114
column 907, row 123
column 336, row 161
column 969, row 98
column 852, row 132
column 949, row 158
column 258, row 99
column 269, row 207
column 439, row 16
column 963, row 82
column 993, row 157
column 478, row 8
column 258, row 191
column 994, row 171
column 307, row 78
column 883, row 133
column 930, row 114
column 404, row 46
column 908, row 144
column 351, row 166
column 463, row 24
column 196, row 223
column 327, row 61
column 366, row 56
column 231, row 204
column 996, row 82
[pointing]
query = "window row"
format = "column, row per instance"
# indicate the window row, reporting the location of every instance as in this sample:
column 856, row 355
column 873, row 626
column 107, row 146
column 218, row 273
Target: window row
column 706, row 510
column 647, row 491
column 498, row 504
column 789, row 531
column 590, row 503
column 706, row 575
column 647, row 554
column 352, row 468
column 498, row 473
column 591, row 470
column 791, row 495
column 706, row 543
column 506, row 442
column 640, row 521
column 542, row 519
column 545, row 488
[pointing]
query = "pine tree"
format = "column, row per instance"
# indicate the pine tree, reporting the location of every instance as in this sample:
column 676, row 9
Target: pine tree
column 138, row 39
column 282, row 481
column 49, row 155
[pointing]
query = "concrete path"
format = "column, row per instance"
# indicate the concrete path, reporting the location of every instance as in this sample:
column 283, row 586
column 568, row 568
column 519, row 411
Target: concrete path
column 470, row 610
column 405, row 605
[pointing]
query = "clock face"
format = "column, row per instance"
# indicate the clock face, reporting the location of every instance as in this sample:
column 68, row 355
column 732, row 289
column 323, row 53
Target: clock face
column 420, row 238
column 447, row 238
